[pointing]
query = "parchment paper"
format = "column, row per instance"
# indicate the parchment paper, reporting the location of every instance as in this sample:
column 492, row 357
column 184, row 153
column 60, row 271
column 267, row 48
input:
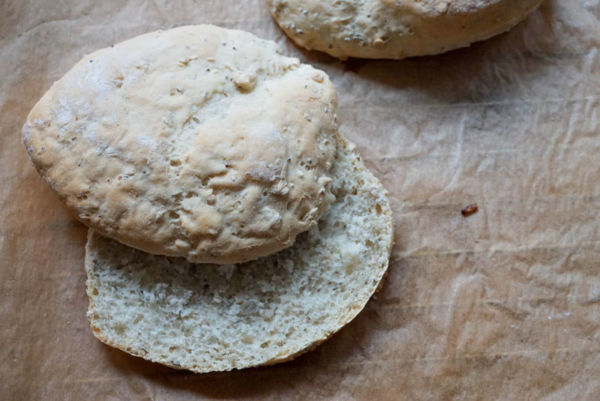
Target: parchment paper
column 501, row 305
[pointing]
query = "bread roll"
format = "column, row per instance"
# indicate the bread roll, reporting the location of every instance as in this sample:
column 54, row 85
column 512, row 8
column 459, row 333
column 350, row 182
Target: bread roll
column 196, row 142
column 216, row 318
column 395, row 29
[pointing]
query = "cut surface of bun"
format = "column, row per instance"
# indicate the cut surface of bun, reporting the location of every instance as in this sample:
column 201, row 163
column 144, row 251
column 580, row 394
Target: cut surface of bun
column 217, row 318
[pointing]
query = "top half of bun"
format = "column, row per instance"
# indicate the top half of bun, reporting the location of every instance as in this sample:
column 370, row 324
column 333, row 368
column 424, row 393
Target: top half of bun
column 199, row 142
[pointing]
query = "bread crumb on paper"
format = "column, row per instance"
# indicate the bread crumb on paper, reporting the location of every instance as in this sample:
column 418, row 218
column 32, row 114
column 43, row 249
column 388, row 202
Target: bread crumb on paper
column 469, row 210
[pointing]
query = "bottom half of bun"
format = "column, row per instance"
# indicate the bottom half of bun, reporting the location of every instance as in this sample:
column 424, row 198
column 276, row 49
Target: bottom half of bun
column 216, row 318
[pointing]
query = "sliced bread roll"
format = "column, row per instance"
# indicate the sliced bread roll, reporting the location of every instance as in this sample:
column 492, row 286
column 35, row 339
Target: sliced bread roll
column 217, row 318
